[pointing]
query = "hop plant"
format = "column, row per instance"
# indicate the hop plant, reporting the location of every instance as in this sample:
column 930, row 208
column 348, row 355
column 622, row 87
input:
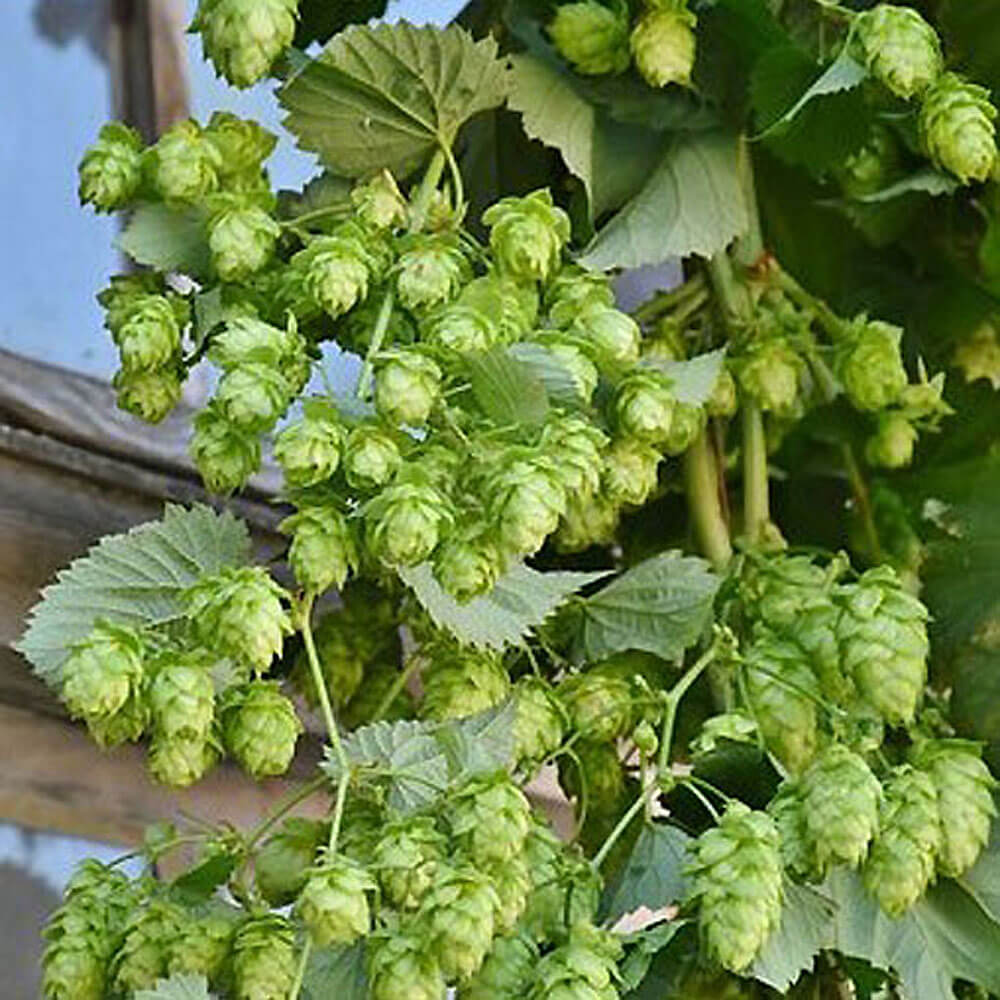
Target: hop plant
column 506, row 973
column 870, row 364
column 226, row 455
column 323, row 551
column 587, row 521
column 371, row 457
column 238, row 613
column 186, row 164
column 513, row 885
column 892, row 444
column 181, row 698
column 430, row 273
column 593, row 776
column 957, row 128
column 527, row 235
column 406, row 859
column 404, row 523
column 252, row 397
column 243, row 38
column 737, row 882
column 263, row 958
column 462, row 682
column 260, row 729
column 644, row 406
column 540, row 723
column 461, row 329
column 203, row 943
column 900, row 865
column 400, row 967
column 882, row 633
column 333, row 904
column 144, row 952
column 599, row 704
column 840, row 803
column 964, row 789
column 111, row 170
column 283, row 863
column 584, row 968
column 630, row 471
column 663, row 43
column 180, row 761
column 591, row 37
column 407, row 386
column 900, row 49
column 489, row 818
column 148, row 395
column 378, row 202
column 526, row 501
column 243, row 145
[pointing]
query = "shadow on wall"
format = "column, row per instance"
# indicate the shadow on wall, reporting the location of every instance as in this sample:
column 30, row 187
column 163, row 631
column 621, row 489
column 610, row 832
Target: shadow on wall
column 25, row 904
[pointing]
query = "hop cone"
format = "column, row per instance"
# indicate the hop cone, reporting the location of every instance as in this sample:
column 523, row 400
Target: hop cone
column 203, row 943
column 900, row 864
column 263, row 959
column 247, row 341
column 527, row 235
column 186, row 164
column 964, row 788
column 243, row 144
column 576, row 447
column 870, row 364
column 587, row 521
column 786, row 810
column 737, row 882
column 181, row 698
column 147, row 333
column 783, row 692
column 180, row 761
column 686, row 425
column 526, row 500
column 241, row 241
column 630, row 472
column 507, row 972
column 379, row 680
column 148, row 395
column 883, row 639
column 461, row 329
column 663, row 44
column 282, row 864
column 584, row 968
column 406, row 859
column 591, row 37
column 468, row 565
column 308, row 451
column 333, row 904
column 238, row 613
column 458, row 917
column 599, row 704
column 431, row 273
column 593, row 776
column 378, row 202
column 577, row 365
column 644, row 406
column 567, row 889
column 513, row 885
column 407, row 386
column 540, row 723
column 489, row 819
column 613, row 336
column 243, row 38
column 957, row 128
column 840, row 801
column 572, row 289
column 260, row 729
column 401, row 967
column 461, row 682
column 769, row 374
column 404, row 522
column 900, row 49
column 323, row 551
column 111, row 170
column 371, row 457
column 892, row 444
column 149, row 934
column 226, row 455
column 342, row 659
column 253, row 396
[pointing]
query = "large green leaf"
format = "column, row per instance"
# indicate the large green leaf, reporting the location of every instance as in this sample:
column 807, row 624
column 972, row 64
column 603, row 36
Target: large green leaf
column 805, row 930
column 661, row 606
column 507, row 390
column 693, row 380
column 184, row 986
column 131, row 579
column 521, row 599
column 544, row 365
column 168, row 239
column 692, row 204
column 336, row 973
column 653, row 876
column 386, row 96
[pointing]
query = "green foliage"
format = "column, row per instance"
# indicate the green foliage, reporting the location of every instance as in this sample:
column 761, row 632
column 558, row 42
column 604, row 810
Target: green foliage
column 184, row 987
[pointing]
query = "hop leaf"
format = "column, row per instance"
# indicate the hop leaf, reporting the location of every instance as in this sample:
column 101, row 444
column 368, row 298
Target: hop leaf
column 407, row 858
column 111, row 170
column 957, row 128
column 260, row 729
column 663, row 44
column 263, row 958
column 333, row 904
column 401, row 968
column 591, row 37
column 407, row 386
column 900, row 49
column 737, row 882
column 323, row 551
column 527, row 235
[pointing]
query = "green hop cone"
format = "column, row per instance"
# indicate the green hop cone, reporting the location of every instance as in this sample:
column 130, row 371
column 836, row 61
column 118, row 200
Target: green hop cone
column 282, row 864
column 142, row 957
column 407, row 385
column 584, row 968
column 783, row 692
column 964, row 788
column 333, row 904
column 461, row 682
column 587, row 521
column 513, row 885
column 458, row 918
column 892, row 444
column 511, row 304
column 111, row 170
column 367, row 703
column 736, row 878
column 630, row 472
column 335, row 272
column 527, row 235
column 786, row 810
column 148, row 395
column 663, row 43
column 840, row 802
column 612, row 335
column 263, row 959
column 489, row 818
column 592, row 38
column 769, row 375
column 180, row 761
column 243, row 144
column 526, row 501
column 572, row 289
column 872, row 167
column 723, row 402
column 308, row 451
column 576, row 447
column 575, row 363
column 430, row 273
column 243, row 38
column 957, row 128
column 507, row 973
column 401, row 967
column 406, row 858
column 148, row 336
column 593, row 775
column 883, row 640
column 540, row 722
column 599, row 704
column 901, row 50
column 461, row 329
column 900, row 864
column 239, row 614
column 103, row 671
column 181, row 697
column 323, row 551
column 252, row 397
column 404, row 523
column 371, row 457
column 870, row 365
column 468, row 566
column 260, row 729
column 378, row 202
column 644, row 406
column 203, row 943
column 226, row 455
column 186, row 164
column 246, row 342
column 241, row 241
column 687, row 423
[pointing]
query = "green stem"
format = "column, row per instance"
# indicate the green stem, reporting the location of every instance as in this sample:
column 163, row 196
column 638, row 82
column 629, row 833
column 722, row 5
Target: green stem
column 456, row 178
column 619, row 829
column 756, row 500
column 828, row 319
column 397, row 685
column 300, row 972
column 693, row 288
column 703, row 799
column 733, row 296
column 378, row 337
column 677, row 692
column 428, row 185
column 862, row 498
column 703, row 496
column 338, row 811
column 750, row 246
column 298, row 795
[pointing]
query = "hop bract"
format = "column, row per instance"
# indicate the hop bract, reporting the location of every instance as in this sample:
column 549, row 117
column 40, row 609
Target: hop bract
column 630, row 471
column 111, row 170
column 148, row 334
column 526, row 501
column 226, row 455
column 591, row 37
column 180, row 761
column 489, row 819
column 957, row 128
column 404, row 523
column 261, row 728
column 527, row 234
column 468, row 566
column 142, row 957
column 737, row 883
column 182, row 698
column 900, row 49
column 333, row 904
column 203, row 942
column 663, row 43
column 242, row 143
column 371, row 457
column 644, row 406
column 186, row 164
column 769, row 374
column 242, row 242
column 611, row 334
